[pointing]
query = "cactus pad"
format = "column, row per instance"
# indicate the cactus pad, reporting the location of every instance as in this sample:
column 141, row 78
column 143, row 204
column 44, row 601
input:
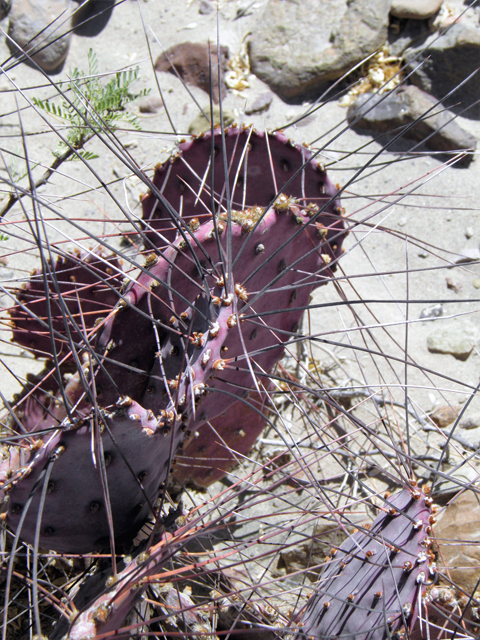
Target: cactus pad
column 374, row 585
column 68, row 298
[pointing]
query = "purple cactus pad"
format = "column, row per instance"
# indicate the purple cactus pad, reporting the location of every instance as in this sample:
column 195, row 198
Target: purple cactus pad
column 374, row 584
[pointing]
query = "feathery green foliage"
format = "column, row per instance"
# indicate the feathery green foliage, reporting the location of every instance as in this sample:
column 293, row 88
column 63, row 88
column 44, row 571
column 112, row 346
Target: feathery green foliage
column 90, row 106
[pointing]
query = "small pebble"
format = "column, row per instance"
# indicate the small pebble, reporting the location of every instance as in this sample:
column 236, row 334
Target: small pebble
column 476, row 283
column 151, row 104
column 471, row 422
column 468, row 255
column 445, row 415
column 451, row 284
column 434, row 311
column 206, row 7
column 455, row 338
column 469, row 232
column 260, row 104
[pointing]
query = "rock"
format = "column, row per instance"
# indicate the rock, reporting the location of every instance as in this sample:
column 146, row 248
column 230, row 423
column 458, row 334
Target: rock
column 435, row 311
column 192, row 63
column 299, row 45
column 476, row 283
column 92, row 17
column 50, row 19
column 457, row 532
column 150, row 104
column 385, row 113
column 472, row 422
column 453, row 285
column 201, row 124
column 457, row 474
column 444, row 62
column 415, row 9
column 469, row 232
column 260, row 104
column 457, row 339
column 468, row 254
column 206, row 7
column 445, row 415
column 5, row 6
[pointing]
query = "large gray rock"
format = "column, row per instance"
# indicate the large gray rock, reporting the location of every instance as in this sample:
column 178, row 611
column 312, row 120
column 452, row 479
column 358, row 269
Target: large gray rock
column 445, row 62
column 434, row 125
column 299, row 45
column 415, row 9
column 41, row 30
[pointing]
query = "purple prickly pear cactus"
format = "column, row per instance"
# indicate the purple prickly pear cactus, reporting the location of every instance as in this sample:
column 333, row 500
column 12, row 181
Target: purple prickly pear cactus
column 373, row 586
column 372, row 589
column 260, row 166
column 75, row 515
column 221, row 443
column 199, row 329
column 85, row 286
column 108, row 609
